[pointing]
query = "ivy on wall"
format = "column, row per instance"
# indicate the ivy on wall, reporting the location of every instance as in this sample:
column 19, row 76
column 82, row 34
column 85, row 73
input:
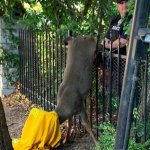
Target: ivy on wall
column 10, row 63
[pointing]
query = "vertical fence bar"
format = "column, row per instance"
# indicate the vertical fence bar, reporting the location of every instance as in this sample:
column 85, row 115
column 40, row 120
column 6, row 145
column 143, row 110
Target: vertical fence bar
column 54, row 64
column 103, row 81
column 46, row 72
column 23, row 65
column 23, row 69
column 43, row 61
column 118, row 70
column 36, row 67
column 26, row 64
column 57, row 62
column 33, row 66
column 145, row 98
column 35, row 70
column 61, row 59
column 39, row 67
column 20, row 61
column 110, row 79
column 96, row 90
column 21, row 52
column 31, row 50
column 24, row 61
column 50, row 69
column 41, row 80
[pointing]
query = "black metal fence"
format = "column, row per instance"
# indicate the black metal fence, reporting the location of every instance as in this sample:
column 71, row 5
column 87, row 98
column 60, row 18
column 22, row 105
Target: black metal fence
column 42, row 60
column 42, row 63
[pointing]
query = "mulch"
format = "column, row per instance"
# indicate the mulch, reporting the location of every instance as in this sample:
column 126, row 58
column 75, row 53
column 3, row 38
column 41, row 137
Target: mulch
column 17, row 108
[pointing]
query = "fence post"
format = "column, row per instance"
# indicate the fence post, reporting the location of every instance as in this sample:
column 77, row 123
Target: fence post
column 140, row 20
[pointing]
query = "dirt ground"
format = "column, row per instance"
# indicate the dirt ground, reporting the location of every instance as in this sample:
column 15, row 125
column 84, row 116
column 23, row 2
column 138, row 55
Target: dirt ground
column 17, row 108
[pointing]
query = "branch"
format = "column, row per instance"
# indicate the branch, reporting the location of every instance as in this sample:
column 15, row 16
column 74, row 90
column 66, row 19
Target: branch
column 86, row 7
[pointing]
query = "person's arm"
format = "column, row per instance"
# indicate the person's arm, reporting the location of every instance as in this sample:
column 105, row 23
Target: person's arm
column 115, row 44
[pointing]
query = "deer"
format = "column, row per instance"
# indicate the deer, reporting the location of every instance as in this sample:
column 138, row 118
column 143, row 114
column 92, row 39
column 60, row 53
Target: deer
column 76, row 82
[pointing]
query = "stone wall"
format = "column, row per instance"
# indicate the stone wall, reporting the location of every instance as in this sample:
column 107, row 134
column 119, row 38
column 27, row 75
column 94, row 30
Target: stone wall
column 1, row 84
column 5, row 43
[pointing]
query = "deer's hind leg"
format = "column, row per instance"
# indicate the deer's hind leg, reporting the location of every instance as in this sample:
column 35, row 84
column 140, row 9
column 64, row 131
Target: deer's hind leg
column 67, row 136
column 86, row 124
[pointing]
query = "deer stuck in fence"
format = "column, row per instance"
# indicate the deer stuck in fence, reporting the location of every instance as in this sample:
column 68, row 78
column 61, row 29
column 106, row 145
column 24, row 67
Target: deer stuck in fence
column 77, row 81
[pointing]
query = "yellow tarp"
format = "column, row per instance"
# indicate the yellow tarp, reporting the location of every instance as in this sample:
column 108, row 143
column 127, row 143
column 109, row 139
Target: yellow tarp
column 41, row 131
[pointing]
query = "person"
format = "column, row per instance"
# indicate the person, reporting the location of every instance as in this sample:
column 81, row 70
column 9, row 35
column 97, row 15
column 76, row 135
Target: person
column 116, row 29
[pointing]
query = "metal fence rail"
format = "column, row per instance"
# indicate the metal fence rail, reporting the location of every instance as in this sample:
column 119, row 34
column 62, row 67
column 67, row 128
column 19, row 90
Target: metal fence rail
column 42, row 63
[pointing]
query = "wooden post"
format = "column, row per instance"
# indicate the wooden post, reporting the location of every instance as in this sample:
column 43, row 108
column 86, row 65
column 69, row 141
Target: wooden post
column 5, row 140
column 140, row 20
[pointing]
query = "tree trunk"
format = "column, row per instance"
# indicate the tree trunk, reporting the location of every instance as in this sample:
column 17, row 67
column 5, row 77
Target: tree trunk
column 5, row 140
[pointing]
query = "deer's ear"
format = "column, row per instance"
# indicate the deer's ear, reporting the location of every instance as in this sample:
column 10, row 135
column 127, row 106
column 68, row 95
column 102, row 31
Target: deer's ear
column 67, row 40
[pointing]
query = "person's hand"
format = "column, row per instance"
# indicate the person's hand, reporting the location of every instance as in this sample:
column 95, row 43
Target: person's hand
column 115, row 44
column 123, row 42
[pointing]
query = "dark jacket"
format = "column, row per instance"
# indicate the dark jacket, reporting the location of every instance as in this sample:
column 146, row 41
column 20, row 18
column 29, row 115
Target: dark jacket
column 116, row 29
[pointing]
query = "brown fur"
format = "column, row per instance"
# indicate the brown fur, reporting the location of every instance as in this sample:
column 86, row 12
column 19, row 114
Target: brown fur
column 77, row 80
